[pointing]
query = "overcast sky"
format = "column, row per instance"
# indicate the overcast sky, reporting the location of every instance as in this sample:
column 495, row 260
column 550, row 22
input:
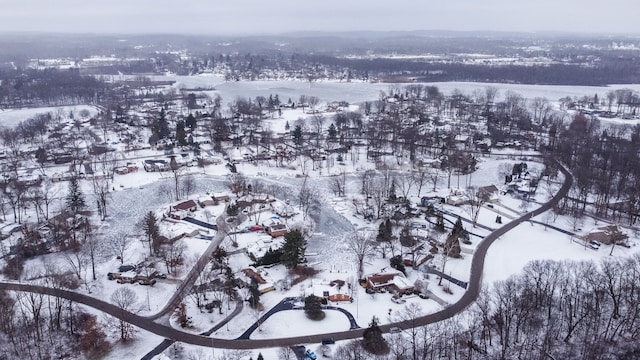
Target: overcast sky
column 277, row 16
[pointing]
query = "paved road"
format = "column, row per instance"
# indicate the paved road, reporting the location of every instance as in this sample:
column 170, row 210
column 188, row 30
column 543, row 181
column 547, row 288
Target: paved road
column 164, row 345
column 146, row 323
column 289, row 304
column 191, row 278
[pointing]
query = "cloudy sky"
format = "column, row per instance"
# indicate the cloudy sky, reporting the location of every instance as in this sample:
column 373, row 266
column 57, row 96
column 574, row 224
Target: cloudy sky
column 276, row 16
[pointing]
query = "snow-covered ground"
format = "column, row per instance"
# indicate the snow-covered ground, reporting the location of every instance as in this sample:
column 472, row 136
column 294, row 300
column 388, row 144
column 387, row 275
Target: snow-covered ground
column 13, row 117
column 137, row 193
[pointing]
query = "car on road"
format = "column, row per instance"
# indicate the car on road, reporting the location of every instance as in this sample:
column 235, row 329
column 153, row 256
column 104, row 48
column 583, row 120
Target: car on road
column 328, row 341
column 395, row 330
column 310, row 354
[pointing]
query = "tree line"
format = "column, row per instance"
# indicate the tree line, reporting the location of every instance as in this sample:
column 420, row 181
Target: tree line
column 552, row 310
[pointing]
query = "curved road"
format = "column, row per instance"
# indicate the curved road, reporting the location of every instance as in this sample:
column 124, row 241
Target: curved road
column 470, row 295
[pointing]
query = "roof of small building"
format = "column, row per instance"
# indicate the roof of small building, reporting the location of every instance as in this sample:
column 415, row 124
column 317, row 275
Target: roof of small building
column 185, row 205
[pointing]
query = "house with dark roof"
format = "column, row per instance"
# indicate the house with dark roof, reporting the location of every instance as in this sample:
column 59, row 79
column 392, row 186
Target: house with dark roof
column 609, row 234
column 188, row 205
column 277, row 229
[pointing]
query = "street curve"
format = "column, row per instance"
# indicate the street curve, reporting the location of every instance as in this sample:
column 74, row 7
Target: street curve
column 470, row 295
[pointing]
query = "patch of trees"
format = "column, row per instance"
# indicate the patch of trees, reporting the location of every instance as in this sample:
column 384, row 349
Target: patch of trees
column 605, row 165
column 29, row 87
column 560, row 310
column 35, row 326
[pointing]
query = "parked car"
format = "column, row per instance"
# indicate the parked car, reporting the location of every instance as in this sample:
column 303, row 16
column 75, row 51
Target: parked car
column 594, row 245
column 160, row 275
column 125, row 268
column 328, row 341
column 398, row 300
column 149, row 282
column 126, row 280
column 423, row 296
column 310, row 354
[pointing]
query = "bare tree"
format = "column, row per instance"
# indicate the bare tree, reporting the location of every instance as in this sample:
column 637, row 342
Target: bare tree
column 362, row 246
column 101, row 187
column 177, row 171
column 378, row 195
column 172, row 253
column 118, row 244
column 434, row 175
column 405, row 183
column 285, row 353
column 338, row 184
column 313, row 102
column 475, row 204
column 188, row 186
column 237, row 183
column 419, row 178
column 306, row 197
column 127, row 300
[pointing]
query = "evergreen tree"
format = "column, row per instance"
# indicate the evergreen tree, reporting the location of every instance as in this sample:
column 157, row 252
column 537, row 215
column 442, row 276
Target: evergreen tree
column 297, row 135
column 385, row 235
column 41, row 155
column 254, row 293
column 313, row 307
column 392, row 192
column 152, row 230
column 406, row 239
column 453, row 240
column 293, row 249
column 191, row 122
column 396, row 263
column 160, row 127
column 181, row 134
column 75, row 198
column 372, row 339
column 332, row 132
column 260, row 354
column 286, row 126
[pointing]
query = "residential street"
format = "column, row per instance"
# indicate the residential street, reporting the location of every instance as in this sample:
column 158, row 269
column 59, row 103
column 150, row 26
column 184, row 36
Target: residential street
column 148, row 323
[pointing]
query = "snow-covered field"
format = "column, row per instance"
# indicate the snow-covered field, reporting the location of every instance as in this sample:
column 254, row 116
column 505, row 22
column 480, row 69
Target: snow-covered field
column 13, row 117
column 137, row 193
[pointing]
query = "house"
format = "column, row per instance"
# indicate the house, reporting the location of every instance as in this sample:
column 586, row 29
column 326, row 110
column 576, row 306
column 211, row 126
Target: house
column 610, row 234
column 456, row 198
column 254, row 275
column 277, row 229
column 263, row 286
column 390, row 281
column 488, row 193
column 188, row 205
column 221, row 197
column 206, row 201
column 339, row 297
